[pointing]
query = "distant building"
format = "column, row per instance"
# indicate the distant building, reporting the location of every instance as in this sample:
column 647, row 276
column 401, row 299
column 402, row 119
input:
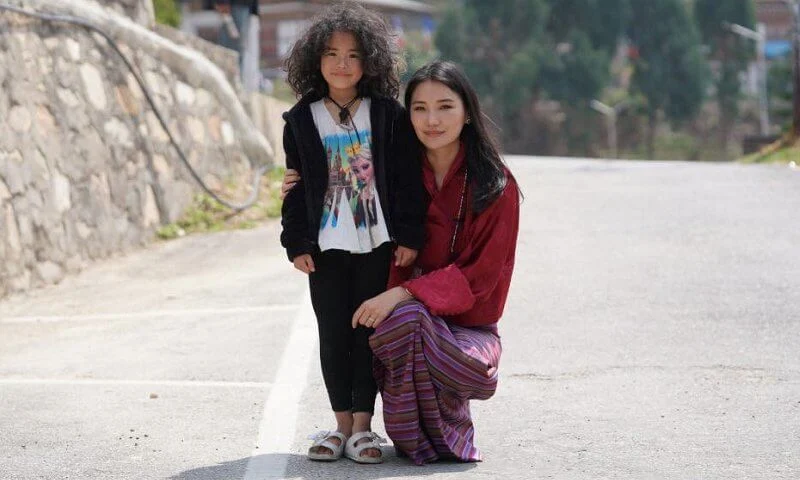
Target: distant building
column 777, row 18
column 282, row 22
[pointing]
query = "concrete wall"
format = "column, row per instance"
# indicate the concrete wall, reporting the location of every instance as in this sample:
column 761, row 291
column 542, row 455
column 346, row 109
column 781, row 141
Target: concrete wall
column 86, row 171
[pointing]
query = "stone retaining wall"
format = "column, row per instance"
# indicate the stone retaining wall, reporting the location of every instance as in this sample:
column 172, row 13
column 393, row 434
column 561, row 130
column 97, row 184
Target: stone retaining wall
column 86, row 171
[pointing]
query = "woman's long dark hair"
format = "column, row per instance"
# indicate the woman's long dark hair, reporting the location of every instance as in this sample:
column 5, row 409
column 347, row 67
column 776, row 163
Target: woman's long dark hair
column 484, row 164
column 381, row 61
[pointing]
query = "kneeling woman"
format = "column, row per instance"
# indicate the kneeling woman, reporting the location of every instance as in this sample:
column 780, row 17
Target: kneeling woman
column 436, row 344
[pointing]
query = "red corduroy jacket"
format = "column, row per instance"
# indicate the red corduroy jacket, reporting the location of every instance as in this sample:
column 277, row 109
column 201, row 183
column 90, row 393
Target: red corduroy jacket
column 468, row 288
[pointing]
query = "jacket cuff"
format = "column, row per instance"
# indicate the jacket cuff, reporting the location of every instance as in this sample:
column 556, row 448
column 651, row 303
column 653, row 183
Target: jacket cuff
column 445, row 291
column 409, row 238
column 300, row 249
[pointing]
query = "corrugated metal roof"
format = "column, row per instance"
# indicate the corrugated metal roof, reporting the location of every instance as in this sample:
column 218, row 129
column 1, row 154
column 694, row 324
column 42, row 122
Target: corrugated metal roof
column 411, row 5
column 403, row 5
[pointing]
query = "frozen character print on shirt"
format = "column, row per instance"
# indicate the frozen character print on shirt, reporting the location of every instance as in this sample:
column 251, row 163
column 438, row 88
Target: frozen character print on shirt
column 351, row 180
column 366, row 211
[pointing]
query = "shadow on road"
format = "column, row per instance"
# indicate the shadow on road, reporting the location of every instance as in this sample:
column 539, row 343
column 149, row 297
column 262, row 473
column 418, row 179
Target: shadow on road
column 298, row 466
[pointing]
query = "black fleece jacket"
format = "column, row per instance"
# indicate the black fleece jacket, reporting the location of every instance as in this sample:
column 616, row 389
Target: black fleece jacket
column 398, row 173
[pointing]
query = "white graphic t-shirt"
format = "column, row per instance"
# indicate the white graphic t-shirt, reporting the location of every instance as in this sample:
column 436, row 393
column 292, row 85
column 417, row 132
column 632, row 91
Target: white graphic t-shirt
column 352, row 219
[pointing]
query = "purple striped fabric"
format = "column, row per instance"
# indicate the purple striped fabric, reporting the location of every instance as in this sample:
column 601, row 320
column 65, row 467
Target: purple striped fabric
column 427, row 372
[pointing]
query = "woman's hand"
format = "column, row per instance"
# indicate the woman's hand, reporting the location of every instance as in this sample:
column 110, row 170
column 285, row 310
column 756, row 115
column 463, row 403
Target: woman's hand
column 290, row 177
column 404, row 256
column 304, row 263
column 375, row 310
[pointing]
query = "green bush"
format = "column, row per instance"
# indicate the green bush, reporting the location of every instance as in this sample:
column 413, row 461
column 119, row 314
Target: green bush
column 167, row 12
column 204, row 214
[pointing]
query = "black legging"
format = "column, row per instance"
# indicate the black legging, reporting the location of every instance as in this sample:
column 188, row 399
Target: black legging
column 341, row 282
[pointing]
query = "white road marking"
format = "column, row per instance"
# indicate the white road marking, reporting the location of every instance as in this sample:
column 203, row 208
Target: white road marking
column 148, row 314
column 158, row 383
column 279, row 421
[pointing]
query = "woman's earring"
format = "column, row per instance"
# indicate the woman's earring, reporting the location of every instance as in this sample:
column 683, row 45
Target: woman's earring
column 467, row 120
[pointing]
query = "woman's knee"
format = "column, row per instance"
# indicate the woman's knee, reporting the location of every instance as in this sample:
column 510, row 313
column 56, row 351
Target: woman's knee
column 408, row 313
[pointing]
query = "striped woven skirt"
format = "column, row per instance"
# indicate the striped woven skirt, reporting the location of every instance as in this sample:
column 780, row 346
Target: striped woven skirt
column 427, row 372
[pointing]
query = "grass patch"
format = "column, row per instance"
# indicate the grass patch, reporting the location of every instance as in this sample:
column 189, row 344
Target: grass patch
column 785, row 150
column 784, row 155
column 205, row 214
column 676, row 146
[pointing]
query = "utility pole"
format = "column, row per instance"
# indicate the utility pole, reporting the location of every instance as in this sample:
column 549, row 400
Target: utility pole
column 794, row 6
column 611, row 114
column 760, row 37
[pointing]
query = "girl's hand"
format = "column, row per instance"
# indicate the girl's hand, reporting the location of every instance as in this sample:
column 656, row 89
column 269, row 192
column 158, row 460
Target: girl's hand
column 290, row 177
column 375, row 310
column 304, row 263
column 404, row 256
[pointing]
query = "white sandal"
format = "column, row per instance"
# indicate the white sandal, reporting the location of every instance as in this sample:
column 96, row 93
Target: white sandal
column 322, row 439
column 353, row 451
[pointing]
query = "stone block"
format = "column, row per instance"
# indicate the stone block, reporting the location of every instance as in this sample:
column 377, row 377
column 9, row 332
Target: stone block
column 73, row 49
column 228, row 136
column 74, row 264
column 118, row 132
column 49, row 272
column 94, row 86
column 68, row 97
column 126, row 100
column 12, row 232
column 150, row 214
column 157, row 131
column 83, row 230
column 185, row 94
column 14, row 174
column 19, row 119
column 20, row 283
column 5, row 193
column 45, row 122
column 196, row 130
column 215, row 128
column 203, row 98
column 60, row 191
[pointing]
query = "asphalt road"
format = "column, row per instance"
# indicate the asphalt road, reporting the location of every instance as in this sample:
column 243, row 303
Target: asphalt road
column 652, row 331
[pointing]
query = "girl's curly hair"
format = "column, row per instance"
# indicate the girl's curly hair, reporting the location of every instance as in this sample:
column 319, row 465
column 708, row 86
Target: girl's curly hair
column 381, row 61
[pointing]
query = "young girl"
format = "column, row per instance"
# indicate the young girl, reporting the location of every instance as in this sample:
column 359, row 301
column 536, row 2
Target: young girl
column 359, row 201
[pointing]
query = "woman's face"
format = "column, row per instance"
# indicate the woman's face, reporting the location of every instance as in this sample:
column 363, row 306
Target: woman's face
column 438, row 115
column 362, row 168
column 341, row 62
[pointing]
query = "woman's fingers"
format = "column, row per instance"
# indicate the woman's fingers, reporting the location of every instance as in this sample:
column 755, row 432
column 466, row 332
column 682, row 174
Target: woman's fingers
column 285, row 189
column 404, row 256
column 359, row 318
column 290, row 178
column 367, row 315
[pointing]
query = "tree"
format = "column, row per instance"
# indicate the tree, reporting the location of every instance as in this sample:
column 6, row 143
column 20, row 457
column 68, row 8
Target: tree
column 669, row 68
column 586, row 34
column 518, row 51
column 603, row 21
column 574, row 78
column 779, row 86
column 417, row 51
column 732, row 51
column 500, row 46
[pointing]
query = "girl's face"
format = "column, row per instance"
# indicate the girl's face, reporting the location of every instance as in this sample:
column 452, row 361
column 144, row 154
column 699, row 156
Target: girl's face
column 362, row 168
column 341, row 63
column 438, row 115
